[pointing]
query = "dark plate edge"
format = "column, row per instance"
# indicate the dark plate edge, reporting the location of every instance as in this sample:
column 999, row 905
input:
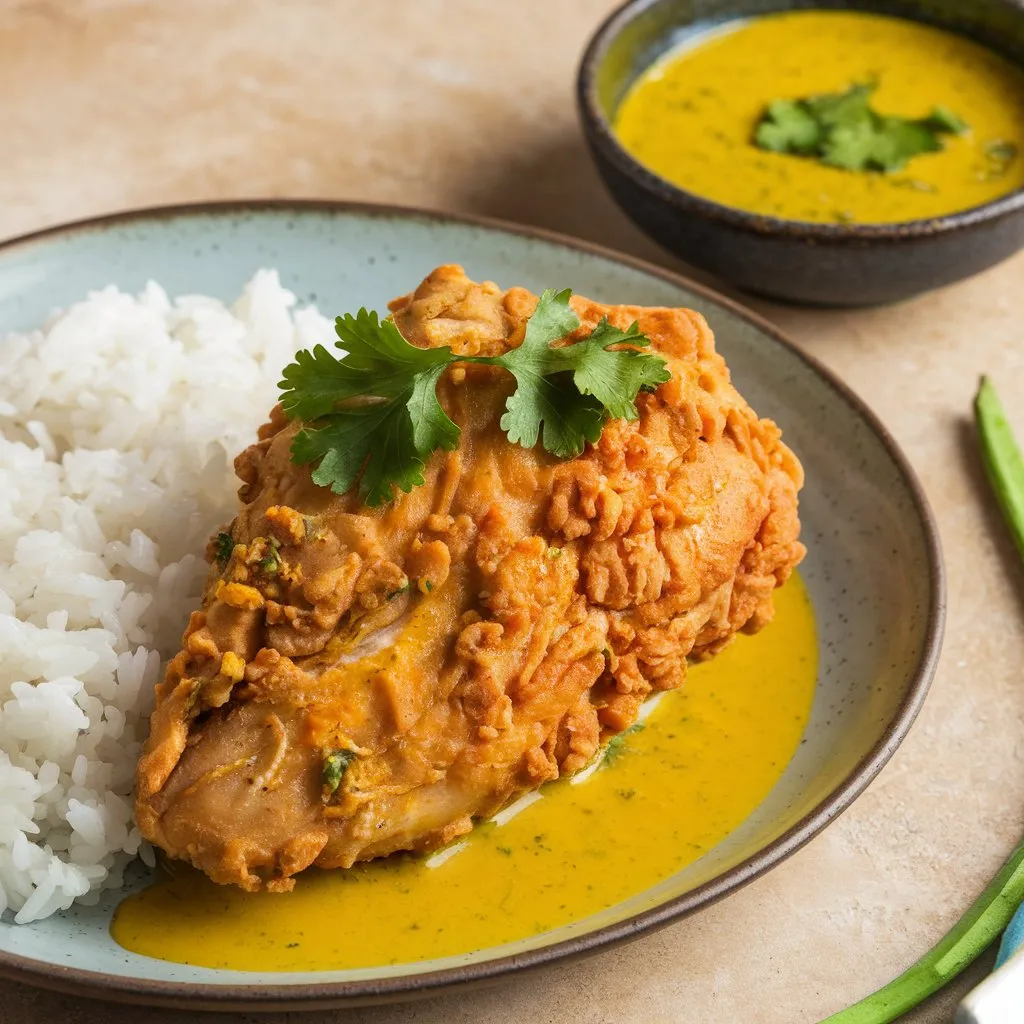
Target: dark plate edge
column 195, row 996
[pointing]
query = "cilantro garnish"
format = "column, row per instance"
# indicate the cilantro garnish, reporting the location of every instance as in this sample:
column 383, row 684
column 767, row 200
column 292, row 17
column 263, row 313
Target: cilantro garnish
column 223, row 545
column 842, row 130
column 271, row 562
column 391, row 420
column 335, row 765
column 618, row 745
column 373, row 418
column 569, row 392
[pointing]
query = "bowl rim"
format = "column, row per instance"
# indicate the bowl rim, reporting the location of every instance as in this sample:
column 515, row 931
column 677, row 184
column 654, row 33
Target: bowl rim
column 601, row 135
column 281, row 996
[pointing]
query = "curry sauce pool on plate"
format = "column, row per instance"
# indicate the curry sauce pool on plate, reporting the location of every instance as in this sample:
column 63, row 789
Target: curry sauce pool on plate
column 691, row 118
column 704, row 760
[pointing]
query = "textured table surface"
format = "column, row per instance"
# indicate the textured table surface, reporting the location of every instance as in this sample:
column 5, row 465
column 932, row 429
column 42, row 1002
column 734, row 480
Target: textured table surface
column 467, row 105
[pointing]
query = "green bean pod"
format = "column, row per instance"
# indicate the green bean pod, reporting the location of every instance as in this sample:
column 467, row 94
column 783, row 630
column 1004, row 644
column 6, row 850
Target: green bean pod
column 959, row 948
column 991, row 912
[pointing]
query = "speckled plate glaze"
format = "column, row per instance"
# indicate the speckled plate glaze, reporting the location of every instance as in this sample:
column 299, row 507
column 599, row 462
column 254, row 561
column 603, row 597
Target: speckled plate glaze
column 874, row 567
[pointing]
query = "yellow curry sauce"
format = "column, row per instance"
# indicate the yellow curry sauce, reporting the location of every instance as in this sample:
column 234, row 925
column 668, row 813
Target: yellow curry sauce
column 691, row 117
column 704, row 760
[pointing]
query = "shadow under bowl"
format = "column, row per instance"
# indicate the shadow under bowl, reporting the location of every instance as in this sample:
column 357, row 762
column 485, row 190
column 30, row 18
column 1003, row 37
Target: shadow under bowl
column 796, row 261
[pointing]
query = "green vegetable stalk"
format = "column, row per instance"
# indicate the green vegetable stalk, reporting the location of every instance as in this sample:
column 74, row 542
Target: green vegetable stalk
column 970, row 937
column 994, row 908
column 1002, row 458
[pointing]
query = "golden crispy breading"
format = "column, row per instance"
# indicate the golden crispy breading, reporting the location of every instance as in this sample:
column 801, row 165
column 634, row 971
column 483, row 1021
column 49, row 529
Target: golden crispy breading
column 479, row 636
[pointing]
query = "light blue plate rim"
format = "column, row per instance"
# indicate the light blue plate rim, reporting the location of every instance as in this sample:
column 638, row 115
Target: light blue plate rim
column 269, row 997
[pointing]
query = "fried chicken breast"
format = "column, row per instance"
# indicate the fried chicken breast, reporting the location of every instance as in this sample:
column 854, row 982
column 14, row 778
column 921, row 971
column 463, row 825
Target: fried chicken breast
column 360, row 681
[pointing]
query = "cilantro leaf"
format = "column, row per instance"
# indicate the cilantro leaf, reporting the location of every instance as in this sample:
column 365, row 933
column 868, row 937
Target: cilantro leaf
column 431, row 427
column 376, row 349
column 372, row 417
column 897, row 141
column 551, row 321
column 377, row 408
column 619, row 744
column 551, row 408
column 223, row 545
column 604, row 384
column 545, row 399
column 336, row 763
column 372, row 445
column 311, row 386
column 942, row 119
column 848, row 146
column 789, row 127
column 614, row 376
column 842, row 108
column 377, row 362
column 842, row 130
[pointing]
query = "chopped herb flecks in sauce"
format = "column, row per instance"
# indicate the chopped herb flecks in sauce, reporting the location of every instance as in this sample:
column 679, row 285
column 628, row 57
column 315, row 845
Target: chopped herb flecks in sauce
column 938, row 128
column 704, row 759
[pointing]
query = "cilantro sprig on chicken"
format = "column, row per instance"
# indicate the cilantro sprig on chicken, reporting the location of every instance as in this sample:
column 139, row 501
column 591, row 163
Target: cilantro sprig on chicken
column 372, row 417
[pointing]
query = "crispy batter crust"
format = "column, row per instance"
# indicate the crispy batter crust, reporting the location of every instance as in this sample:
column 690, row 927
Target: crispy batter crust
column 476, row 638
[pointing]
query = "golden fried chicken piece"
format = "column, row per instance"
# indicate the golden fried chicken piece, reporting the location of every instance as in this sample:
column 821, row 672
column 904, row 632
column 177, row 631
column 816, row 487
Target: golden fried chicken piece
column 360, row 681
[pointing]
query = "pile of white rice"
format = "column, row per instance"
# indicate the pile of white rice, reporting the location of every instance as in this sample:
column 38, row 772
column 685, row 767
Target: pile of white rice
column 119, row 420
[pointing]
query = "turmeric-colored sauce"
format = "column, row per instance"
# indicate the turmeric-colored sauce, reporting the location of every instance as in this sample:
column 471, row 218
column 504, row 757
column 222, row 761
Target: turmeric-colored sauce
column 691, row 117
column 705, row 758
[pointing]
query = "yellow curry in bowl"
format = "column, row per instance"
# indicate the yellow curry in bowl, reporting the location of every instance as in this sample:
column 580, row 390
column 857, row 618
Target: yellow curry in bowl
column 693, row 117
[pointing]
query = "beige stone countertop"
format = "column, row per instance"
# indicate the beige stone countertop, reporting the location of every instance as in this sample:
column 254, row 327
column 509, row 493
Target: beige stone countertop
column 468, row 105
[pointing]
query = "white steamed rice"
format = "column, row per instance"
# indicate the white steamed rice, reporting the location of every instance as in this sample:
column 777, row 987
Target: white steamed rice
column 119, row 420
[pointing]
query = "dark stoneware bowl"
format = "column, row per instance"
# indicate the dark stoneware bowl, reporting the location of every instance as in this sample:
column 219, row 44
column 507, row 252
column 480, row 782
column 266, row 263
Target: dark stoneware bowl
column 817, row 264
